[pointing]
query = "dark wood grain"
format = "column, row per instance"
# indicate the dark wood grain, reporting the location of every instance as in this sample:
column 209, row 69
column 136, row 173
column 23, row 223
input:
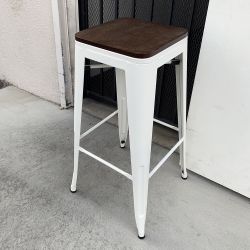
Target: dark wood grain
column 132, row 37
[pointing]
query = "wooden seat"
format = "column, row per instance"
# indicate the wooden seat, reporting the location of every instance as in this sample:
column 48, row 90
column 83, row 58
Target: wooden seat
column 132, row 37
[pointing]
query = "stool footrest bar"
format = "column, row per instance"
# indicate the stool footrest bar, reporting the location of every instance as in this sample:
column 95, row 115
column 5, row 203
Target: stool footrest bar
column 166, row 125
column 98, row 66
column 98, row 124
column 166, row 157
column 129, row 176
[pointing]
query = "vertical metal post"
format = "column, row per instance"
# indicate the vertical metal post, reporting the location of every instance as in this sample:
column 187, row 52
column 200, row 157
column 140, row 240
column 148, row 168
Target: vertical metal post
column 134, row 7
column 116, row 9
column 152, row 10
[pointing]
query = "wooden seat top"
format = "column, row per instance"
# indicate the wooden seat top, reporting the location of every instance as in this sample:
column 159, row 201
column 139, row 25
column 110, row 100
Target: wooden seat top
column 132, row 37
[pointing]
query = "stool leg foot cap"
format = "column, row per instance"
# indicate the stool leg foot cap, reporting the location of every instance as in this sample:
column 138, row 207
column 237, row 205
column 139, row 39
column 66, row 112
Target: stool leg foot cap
column 141, row 237
column 184, row 175
column 122, row 144
column 73, row 190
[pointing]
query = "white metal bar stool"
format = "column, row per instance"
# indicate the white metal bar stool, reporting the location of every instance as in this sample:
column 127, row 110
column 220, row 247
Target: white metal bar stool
column 136, row 49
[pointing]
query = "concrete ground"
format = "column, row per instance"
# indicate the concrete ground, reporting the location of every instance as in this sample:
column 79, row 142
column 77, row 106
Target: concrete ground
column 37, row 210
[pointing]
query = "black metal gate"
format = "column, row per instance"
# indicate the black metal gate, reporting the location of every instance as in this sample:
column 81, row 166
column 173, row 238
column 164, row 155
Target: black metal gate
column 191, row 14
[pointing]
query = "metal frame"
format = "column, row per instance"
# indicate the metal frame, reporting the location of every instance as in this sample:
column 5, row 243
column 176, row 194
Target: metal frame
column 134, row 113
column 108, row 164
column 104, row 66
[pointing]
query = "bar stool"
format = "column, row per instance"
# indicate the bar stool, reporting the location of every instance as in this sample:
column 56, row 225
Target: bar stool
column 136, row 49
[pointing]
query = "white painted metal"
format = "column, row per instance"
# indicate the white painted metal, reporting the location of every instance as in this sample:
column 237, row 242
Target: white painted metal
column 179, row 111
column 140, row 86
column 108, row 164
column 181, row 89
column 122, row 106
column 98, row 124
column 139, row 95
column 103, row 66
column 166, row 125
column 79, row 84
column 164, row 159
column 121, row 61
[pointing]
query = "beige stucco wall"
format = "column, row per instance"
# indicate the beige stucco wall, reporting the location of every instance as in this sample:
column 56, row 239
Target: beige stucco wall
column 27, row 47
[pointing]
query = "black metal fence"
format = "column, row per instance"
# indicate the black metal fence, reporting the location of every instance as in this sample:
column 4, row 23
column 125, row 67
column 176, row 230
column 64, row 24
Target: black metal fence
column 191, row 14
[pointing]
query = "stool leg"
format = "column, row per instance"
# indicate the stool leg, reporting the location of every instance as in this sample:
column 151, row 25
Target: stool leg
column 181, row 89
column 122, row 106
column 140, row 86
column 79, row 83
